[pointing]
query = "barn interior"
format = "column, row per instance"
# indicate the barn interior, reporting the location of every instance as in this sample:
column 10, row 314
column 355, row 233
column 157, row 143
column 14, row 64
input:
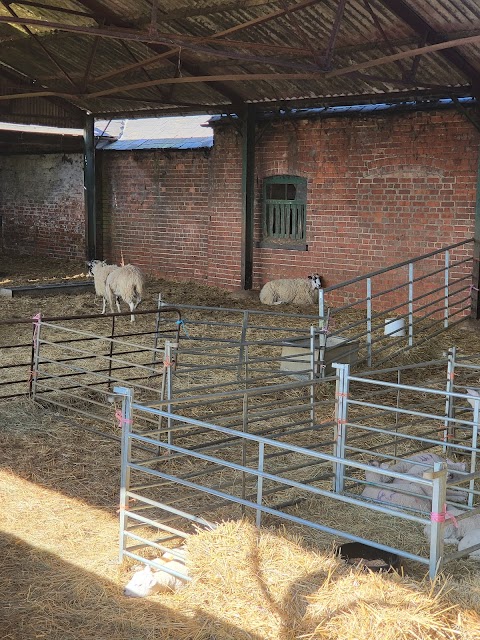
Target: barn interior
column 69, row 64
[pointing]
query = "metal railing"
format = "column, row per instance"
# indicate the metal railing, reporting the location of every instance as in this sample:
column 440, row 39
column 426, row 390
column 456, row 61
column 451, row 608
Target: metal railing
column 268, row 450
column 73, row 370
column 390, row 310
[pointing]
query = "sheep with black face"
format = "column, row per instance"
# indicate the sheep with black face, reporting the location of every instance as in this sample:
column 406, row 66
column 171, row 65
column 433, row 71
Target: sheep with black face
column 301, row 291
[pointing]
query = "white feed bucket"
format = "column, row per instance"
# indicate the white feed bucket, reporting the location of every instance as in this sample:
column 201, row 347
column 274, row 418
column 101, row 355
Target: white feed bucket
column 395, row 327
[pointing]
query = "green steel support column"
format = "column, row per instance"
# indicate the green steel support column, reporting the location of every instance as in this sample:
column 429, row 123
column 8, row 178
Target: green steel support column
column 248, row 193
column 89, row 188
column 475, row 310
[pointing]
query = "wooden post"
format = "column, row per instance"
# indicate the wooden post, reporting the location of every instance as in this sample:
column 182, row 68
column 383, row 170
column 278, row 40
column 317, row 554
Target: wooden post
column 89, row 187
column 248, row 193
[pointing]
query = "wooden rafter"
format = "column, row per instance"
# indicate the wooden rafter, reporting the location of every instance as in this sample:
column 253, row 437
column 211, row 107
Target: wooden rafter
column 244, row 77
column 103, row 13
column 194, row 43
column 424, row 30
column 40, row 44
column 220, row 34
column 381, row 31
column 404, row 55
column 333, row 36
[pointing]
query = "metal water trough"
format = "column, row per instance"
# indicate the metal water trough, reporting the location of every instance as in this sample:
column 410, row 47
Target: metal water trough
column 46, row 289
column 296, row 354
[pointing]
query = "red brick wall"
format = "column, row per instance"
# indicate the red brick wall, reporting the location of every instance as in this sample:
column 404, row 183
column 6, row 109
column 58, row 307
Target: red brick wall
column 156, row 211
column 381, row 189
column 225, row 238
column 42, row 205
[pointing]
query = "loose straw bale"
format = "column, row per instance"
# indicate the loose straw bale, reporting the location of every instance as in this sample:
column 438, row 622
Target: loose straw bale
column 270, row 586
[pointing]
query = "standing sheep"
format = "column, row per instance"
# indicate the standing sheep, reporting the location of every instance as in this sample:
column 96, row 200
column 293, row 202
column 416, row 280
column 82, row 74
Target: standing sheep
column 100, row 271
column 297, row 290
column 126, row 283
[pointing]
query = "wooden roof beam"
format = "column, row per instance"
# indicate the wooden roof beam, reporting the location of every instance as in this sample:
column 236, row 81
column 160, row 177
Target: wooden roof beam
column 40, row 44
column 103, row 13
column 416, row 22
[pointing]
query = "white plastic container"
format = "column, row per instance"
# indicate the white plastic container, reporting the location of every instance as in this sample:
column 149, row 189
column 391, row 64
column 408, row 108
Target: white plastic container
column 395, row 327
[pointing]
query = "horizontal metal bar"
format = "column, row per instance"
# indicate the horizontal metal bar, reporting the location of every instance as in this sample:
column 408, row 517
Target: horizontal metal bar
column 155, row 565
column 406, row 436
column 265, row 509
column 308, row 453
column 398, row 265
column 46, row 319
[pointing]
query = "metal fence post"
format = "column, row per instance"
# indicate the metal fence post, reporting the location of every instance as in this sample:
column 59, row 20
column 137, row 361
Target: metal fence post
column 473, row 455
column 243, row 337
column 321, row 308
column 449, row 430
column 341, row 412
column 437, row 517
column 125, row 420
column 167, row 365
column 110, row 354
column 369, row 322
column 410, row 304
column 313, row 373
column 244, row 446
column 35, row 355
column 261, row 459
column 160, row 304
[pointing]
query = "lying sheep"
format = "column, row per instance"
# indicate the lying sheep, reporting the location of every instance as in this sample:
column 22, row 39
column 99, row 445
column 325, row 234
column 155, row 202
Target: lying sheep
column 147, row 581
column 409, row 467
column 126, row 283
column 454, row 532
column 399, row 491
column 470, row 539
column 416, row 465
column 297, row 290
column 100, row 271
column 395, row 496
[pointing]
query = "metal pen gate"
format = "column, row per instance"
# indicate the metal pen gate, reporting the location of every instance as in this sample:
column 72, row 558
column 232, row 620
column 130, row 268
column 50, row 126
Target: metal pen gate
column 187, row 472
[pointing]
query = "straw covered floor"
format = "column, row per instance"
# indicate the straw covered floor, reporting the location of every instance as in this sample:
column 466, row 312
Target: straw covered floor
column 59, row 575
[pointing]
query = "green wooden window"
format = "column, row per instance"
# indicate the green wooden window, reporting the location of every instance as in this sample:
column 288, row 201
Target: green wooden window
column 284, row 208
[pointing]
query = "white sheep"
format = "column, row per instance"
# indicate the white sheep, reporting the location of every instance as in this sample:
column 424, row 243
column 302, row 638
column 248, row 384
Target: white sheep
column 100, row 271
column 425, row 460
column 395, row 496
column 296, row 290
column 454, row 532
column 126, row 283
column 450, row 530
column 470, row 539
column 148, row 581
column 400, row 490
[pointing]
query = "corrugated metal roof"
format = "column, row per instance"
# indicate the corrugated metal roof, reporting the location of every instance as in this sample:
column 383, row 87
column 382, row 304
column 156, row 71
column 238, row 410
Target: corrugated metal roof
column 187, row 132
column 91, row 62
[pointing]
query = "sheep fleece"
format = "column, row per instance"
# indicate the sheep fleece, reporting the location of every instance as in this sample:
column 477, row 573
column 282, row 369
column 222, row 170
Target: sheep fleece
column 296, row 291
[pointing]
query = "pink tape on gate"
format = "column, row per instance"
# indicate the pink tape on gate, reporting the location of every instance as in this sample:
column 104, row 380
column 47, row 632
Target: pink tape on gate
column 121, row 419
column 36, row 324
column 442, row 516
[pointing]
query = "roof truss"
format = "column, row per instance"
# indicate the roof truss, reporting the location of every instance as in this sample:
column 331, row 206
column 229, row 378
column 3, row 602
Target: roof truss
column 182, row 57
